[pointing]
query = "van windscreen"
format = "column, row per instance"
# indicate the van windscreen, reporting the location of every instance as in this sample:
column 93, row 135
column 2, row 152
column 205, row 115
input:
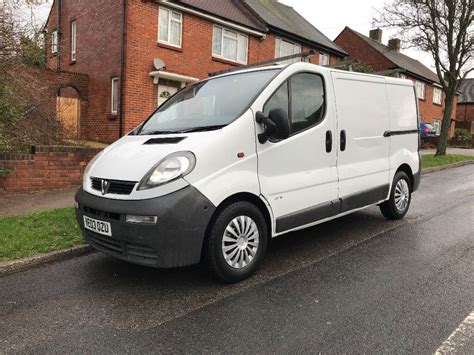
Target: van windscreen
column 208, row 105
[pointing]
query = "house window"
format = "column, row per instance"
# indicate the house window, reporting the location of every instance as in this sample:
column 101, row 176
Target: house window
column 54, row 42
column 73, row 41
column 437, row 94
column 284, row 48
column 420, row 89
column 323, row 59
column 170, row 27
column 437, row 126
column 114, row 96
column 229, row 45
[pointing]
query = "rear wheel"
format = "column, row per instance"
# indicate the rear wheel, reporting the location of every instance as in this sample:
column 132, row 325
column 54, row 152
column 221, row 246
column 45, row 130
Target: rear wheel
column 237, row 242
column 396, row 207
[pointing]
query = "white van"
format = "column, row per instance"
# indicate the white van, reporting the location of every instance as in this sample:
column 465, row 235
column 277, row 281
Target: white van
column 232, row 161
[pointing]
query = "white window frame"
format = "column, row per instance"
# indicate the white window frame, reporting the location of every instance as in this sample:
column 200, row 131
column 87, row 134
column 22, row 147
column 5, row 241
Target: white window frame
column 54, row 42
column 324, row 57
column 420, row 90
column 437, row 95
column 224, row 34
column 437, row 126
column 170, row 20
column 114, row 95
column 297, row 48
column 73, row 40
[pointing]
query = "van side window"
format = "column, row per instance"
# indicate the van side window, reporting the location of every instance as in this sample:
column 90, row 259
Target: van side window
column 307, row 101
column 307, row 105
column 278, row 100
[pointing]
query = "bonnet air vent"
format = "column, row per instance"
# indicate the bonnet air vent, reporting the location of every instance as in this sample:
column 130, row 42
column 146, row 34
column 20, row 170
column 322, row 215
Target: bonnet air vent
column 169, row 140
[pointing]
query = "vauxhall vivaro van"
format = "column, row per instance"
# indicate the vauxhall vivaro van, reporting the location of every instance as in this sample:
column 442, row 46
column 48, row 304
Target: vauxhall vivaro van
column 234, row 160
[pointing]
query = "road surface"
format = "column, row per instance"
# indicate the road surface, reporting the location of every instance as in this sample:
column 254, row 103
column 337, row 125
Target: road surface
column 359, row 284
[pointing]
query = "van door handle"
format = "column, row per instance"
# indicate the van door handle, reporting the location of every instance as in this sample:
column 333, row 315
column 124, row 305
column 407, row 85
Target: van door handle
column 343, row 140
column 328, row 142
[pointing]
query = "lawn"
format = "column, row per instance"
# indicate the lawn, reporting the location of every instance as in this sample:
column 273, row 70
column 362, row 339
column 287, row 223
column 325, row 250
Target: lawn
column 41, row 232
column 430, row 161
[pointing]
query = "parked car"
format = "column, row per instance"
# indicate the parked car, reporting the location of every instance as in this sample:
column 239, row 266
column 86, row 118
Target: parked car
column 234, row 160
column 427, row 131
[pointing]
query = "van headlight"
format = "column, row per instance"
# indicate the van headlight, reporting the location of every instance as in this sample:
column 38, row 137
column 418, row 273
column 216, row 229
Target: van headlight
column 172, row 167
column 89, row 166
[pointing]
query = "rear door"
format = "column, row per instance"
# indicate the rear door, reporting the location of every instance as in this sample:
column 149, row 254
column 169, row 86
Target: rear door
column 298, row 176
column 363, row 153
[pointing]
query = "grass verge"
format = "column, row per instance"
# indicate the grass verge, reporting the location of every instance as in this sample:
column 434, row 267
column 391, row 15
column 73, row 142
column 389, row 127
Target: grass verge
column 430, row 161
column 36, row 233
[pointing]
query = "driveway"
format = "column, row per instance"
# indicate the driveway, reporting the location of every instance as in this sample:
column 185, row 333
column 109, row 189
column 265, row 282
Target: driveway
column 359, row 284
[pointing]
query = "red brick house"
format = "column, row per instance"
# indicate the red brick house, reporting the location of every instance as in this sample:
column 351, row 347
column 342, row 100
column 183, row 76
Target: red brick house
column 465, row 112
column 387, row 59
column 138, row 52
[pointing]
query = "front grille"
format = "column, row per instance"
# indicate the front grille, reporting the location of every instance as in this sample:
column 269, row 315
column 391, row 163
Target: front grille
column 99, row 213
column 117, row 187
column 134, row 252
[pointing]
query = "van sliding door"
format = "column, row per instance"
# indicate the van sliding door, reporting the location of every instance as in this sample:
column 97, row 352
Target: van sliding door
column 363, row 153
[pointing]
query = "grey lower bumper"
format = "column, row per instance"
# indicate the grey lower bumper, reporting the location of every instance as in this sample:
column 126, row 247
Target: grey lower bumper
column 176, row 240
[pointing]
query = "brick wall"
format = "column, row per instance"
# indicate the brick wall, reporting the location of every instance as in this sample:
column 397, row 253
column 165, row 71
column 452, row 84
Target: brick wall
column 465, row 112
column 359, row 50
column 98, row 55
column 430, row 111
column 193, row 59
column 47, row 169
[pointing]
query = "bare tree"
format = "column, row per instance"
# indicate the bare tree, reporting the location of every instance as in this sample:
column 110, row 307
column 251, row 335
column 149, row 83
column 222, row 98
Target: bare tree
column 27, row 113
column 443, row 28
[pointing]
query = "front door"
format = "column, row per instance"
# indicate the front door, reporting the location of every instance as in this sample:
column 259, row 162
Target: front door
column 166, row 89
column 298, row 176
column 68, row 112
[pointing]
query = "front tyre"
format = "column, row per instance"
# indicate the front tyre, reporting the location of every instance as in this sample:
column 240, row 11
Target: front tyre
column 396, row 207
column 237, row 242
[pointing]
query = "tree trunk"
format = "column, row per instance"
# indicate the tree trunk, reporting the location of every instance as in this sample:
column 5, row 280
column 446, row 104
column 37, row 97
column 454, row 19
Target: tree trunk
column 446, row 124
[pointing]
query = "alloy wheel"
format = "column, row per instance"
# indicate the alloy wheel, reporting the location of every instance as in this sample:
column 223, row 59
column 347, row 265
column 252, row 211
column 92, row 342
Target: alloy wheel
column 240, row 242
column 402, row 195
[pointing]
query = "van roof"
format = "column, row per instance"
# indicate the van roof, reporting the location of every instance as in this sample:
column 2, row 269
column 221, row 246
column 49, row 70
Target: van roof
column 305, row 64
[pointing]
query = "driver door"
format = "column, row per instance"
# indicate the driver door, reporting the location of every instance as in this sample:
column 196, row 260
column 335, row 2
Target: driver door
column 298, row 175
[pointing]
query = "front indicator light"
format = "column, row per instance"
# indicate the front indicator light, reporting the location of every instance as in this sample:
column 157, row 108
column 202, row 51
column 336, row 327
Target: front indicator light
column 141, row 219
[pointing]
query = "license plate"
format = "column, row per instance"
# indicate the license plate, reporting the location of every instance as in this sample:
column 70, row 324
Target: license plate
column 97, row 226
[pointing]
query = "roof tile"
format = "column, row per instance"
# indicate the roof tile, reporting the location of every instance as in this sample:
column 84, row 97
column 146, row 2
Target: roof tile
column 286, row 18
column 467, row 91
column 232, row 10
column 401, row 60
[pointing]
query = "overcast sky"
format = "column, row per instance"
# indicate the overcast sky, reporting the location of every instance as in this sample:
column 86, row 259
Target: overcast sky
column 330, row 17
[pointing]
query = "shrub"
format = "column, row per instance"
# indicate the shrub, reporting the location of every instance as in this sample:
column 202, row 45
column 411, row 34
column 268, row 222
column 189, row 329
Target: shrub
column 462, row 135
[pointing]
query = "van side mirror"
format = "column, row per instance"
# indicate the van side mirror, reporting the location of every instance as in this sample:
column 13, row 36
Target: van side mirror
column 276, row 125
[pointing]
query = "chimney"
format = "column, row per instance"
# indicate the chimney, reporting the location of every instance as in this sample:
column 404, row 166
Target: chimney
column 394, row 44
column 376, row 35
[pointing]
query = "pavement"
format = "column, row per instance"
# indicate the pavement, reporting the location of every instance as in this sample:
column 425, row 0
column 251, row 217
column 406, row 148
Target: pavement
column 455, row 151
column 13, row 203
column 358, row 284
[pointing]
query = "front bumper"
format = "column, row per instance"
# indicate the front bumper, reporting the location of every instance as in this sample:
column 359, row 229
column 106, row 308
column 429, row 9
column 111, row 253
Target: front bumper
column 175, row 240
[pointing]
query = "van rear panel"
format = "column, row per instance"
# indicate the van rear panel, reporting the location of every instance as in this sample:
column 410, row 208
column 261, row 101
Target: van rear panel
column 403, row 130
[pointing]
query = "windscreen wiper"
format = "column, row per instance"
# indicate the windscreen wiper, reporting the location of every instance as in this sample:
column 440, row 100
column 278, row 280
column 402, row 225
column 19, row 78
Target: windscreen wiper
column 202, row 129
column 158, row 132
